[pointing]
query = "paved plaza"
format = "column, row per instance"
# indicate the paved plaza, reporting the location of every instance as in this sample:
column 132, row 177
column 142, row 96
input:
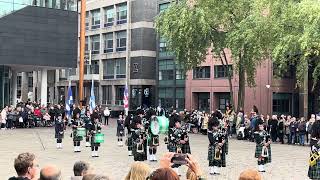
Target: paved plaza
column 288, row 162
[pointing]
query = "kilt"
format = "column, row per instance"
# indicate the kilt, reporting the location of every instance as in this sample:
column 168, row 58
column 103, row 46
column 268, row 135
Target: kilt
column 259, row 151
column 314, row 172
column 93, row 144
column 212, row 161
column 172, row 147
column 153, row 141
column 120, row 131
column 139, row 156
column 59, row 134
column 186, row 148
column 75, row 137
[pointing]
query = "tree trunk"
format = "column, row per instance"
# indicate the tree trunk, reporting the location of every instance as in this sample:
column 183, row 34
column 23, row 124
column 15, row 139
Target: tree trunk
column 241, row 92
column 226, row 65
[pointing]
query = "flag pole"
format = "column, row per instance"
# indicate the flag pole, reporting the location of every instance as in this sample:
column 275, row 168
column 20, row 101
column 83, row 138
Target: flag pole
column 82, row 49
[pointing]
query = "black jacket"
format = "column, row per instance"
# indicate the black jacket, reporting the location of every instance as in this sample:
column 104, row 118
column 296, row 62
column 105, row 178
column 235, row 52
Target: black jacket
column 19, row 178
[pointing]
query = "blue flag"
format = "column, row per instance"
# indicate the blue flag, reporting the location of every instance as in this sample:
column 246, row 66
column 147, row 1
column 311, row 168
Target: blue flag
column 69, row 101
column 92, row 102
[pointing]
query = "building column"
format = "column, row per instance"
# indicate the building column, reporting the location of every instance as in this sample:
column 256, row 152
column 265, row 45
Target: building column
column 24, row 86
column 113, row 94
column 34, row 85
column 14, row 88
column 100, row 94
column 44, row 86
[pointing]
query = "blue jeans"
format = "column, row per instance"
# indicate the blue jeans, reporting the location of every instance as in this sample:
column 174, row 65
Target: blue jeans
column 301, row 138
column 292, row 137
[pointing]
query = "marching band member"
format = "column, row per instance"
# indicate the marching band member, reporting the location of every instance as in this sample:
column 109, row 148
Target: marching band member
column 76, row 123
column 216, row 150
column 87, row 125
column 129, row 124
column 95, row 127
column 153, row 137
column 120, row 129
column 139, row 138
column 178, row 141
column 314, row 162
column 263, row 148
column 59, row 130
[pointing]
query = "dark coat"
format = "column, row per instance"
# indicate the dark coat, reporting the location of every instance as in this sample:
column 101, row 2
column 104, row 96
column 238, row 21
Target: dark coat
column 59, row 129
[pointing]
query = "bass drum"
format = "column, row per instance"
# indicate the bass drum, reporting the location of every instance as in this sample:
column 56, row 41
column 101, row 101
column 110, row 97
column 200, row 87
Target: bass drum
column 163, row 124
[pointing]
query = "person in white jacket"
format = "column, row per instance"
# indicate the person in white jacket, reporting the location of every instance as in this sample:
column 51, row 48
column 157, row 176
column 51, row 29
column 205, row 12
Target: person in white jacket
column 3, row 117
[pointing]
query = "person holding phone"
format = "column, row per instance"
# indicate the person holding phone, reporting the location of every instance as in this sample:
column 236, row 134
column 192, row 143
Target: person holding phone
column 216, row 150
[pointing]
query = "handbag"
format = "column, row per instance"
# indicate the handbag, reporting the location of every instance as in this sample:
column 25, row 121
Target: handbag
column 20, row 119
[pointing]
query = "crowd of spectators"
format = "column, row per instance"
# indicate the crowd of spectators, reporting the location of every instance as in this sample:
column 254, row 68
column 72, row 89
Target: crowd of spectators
column 27, row 168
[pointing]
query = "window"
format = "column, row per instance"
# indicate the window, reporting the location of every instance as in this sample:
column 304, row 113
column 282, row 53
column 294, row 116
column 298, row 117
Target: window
column 201, row 72
column 220, row 71
column 180, row 96
column 281, row 103
column 108, row 43
column 166, row 97
column 108, row 69
column 106, row 94
column 62, row 74
column 87, row 44
column 163, row 47
column 120, row 68
column 114, row 68
column 95, row 23
column 163, row 7
column 95, row 44
column 87, row 20
column 166, row 69
column 109, row 16
column 119, row 95
column 19, row 81
column 121, row 40
column 122, row 13
column 180, row 75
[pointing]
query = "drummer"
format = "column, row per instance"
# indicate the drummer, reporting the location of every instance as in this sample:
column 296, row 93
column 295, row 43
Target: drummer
column 153, row 137
column 95, row 128
column 88, row 123
column 76, row 123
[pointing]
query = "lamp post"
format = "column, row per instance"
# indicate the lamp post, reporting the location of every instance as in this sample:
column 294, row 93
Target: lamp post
column 268, row 87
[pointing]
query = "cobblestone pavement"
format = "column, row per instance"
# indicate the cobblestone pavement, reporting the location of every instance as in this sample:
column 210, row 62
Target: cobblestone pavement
column 288, row 162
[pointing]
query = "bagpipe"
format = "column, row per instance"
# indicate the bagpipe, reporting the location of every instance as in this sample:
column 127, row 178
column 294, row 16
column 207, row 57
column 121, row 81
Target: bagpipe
column 314, row 155
column 266, row 139
column 218, row 148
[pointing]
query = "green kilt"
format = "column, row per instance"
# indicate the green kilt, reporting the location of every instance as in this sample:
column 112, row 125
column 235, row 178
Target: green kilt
column 75, row 137
column 129, row 142
column 139, row 156
column 153, row 140
column 259, row 151
column 314, row 171
column 172, row 148
column 212, row 161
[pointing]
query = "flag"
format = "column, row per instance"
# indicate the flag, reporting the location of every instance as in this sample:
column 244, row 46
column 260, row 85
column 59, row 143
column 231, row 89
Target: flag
column 126, row 100
column 69, row 101
column 92, row 102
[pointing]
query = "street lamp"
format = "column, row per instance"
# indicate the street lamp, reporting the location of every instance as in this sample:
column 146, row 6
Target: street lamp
column 268, row 87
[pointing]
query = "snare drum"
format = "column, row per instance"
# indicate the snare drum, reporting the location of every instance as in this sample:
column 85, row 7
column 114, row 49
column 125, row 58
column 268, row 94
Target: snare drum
column 99, row 138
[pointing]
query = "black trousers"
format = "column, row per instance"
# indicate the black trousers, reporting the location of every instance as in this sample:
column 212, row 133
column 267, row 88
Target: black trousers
column 94, row 148
column 280, row 135
column 59, row 140
column 106, row 120
column 76, row 143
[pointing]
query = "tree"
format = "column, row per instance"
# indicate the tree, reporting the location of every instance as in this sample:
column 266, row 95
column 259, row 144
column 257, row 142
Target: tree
column 192, row 27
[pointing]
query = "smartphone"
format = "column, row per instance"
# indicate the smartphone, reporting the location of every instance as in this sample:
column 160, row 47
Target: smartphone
column 179, row 159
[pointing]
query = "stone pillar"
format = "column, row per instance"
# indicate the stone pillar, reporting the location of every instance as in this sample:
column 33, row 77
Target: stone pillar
column 24, row 86
column 100, row 94
column 113, row 95
column 14, row 88
column 44, row 86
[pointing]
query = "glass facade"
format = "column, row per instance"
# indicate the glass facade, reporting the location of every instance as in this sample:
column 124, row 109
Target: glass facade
column 4, row 86
column 8, row 6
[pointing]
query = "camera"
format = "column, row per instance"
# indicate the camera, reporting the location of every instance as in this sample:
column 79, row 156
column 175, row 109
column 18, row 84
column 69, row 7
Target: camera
column 179, row 159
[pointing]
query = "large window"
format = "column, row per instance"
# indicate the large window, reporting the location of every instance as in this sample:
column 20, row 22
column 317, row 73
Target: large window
column 119, row 95
column 202, row 72
column 221, row 71
column 87, row 20
column 87, row 44
column 122, row 13
column 166, row 69
column 180, row 98
column 180, row 75
column 121, row 40
column 95, row 23
column 109, row 16
column 108, row 43
column 106, row 94
column 95, row 44
column 281, row 103
column 166, row 97
column 114, row 68
column 163, row 7
column 163, row 51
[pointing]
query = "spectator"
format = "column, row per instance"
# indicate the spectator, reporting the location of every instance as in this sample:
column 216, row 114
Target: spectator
column 250, row 174
column 26, row 167
column 293, row 128
column 138, row 171
column 10, row 118
column 287, row 128
column 106, row 114
column 309, row 127
column 80, row 168
column 273, row 128
column 281, row 129
column 302, row 131
column 50, row 172
column 94, row 177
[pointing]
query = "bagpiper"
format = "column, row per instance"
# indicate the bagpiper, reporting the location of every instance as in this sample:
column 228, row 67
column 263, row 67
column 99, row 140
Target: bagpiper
column 314, row 161
column 94, row 128
column 129, row 125
column 216, row 149
column 59, row 130
column 139, row 138
column 263, row 148
column 76, row 123
column 120, row 130
column 178, row 141
column 153, row 136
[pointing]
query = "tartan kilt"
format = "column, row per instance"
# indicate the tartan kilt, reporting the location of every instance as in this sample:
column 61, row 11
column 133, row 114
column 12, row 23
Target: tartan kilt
column 212, row 161
column 186, row 148
column 152, row 141
column 59, row 135
column 93, row 144
column 129, row 142
column 172, row 148
column 138, row 156
column 75, row 137
column 314, row 172
column 259, row 151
